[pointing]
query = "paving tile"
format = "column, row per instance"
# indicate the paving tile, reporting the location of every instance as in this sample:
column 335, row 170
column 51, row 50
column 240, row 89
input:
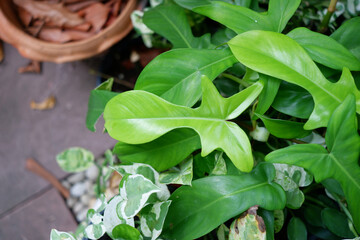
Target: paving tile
column 41, row 135
column 35, row 218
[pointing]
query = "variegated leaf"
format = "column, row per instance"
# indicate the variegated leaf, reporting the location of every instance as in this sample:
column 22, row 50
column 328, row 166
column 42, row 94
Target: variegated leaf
column 179, row 175
column 57, row 235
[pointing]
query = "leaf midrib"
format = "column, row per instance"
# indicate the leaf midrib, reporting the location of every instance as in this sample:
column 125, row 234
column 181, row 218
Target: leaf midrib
column 171, row 118
column 344, row 170
column 223, row 197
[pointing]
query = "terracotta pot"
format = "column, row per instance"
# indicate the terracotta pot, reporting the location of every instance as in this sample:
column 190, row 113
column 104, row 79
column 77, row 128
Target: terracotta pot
column 12, row 32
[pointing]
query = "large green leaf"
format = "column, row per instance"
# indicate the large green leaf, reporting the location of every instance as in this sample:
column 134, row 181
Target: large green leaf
column 97, row 101
column 75, row 159
column 170, row 21
column 348, row 35
column 137, row 117
column 242, row 19
column 296, row 229
column 176, row 72
column 213, row 200
column 340, row 161
column 279, row 56
column 325, row 50
column 162, row 153
column 268, row 94
column 336, row 222
column 125, row 232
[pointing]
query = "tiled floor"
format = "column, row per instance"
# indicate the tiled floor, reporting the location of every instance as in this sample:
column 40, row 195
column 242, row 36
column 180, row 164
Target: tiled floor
column 28, row 206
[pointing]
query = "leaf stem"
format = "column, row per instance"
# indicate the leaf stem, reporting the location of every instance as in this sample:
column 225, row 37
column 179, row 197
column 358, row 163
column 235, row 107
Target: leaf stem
column 330, row 11
column 235, row 79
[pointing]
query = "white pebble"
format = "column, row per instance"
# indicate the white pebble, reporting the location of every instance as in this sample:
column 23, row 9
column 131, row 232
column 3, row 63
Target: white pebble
column 70, row 202
column 78, row 207
column 92, row 172
column 81, row 216
column 78, row 189
column 66, row 184
column 76, row 178
column 85, row 199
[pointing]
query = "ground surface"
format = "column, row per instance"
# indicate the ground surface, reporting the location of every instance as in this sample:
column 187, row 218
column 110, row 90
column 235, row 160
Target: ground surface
column 29, row 207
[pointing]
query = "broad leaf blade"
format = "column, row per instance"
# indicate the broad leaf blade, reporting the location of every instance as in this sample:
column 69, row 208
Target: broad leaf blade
column 162, row 153
column 325, row 50
column 213, row 200
column 267, row 96
column 124, row 231
column 130, row 118
column 280, row 12
column 296, row 229
column 340, row 163
column 336, row 222
column 179, row 175
column 179, row 71
column 170, row 21
column 279, row 56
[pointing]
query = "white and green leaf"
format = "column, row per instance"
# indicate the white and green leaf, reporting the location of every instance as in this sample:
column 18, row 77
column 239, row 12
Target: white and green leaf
column 75, row 159
column 182, row 174
column 57, row 235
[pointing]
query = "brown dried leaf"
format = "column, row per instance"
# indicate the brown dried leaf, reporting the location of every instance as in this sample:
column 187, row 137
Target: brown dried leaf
column 58, row 35
column 116, row 8
column 56, row 13
column 96, row 14
column 24, row 16
column 82, row 27
column 32, row 67
column 74, row 7
column 47, row 104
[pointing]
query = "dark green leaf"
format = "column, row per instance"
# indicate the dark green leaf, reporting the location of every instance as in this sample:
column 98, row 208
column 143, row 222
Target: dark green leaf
column 296, row 229
column 162, row 153
column 336, row 222
column 268, row 217
column 97, row 101
column 293, row 100
column 280, row 56
column 333, row 186
column 348, row 35
column 284, row 129
column 125, row 232
column 322, row 233
column 213, row 200
column 268, row 94
column 340, row 161
column 325, row 50
column 170, row 21
column 179, row 71
column 138, row 117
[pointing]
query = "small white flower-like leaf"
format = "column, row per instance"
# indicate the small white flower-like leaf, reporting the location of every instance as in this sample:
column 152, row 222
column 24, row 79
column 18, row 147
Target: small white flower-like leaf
column 152, row 219
column 57, row 235
column 182, row 175
column 95, row 231
column 75, row 159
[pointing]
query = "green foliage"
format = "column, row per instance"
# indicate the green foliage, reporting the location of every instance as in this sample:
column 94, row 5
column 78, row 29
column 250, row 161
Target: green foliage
column 75, row 159
column 296, row 229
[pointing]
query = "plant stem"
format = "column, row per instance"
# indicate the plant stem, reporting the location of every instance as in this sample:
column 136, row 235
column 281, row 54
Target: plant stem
column 325, row 22
column 236, row 79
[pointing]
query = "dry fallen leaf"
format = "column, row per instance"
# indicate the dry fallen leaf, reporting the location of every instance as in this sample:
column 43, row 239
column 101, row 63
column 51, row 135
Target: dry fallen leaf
column 32, row 67
column 24, row 16
column 74, row 7
column 57, row 35
column 47, row 104
column 46, row 11
column 96, row 14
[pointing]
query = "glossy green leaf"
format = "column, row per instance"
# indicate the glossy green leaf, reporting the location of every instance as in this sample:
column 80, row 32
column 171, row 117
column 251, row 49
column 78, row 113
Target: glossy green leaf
column 340, row 161
column 170, row 21
column 97, row 101
column 137, row 117
column 348, row 35
column 242, row 19
column 279, row 219
column 248, row 226
column 125, row 232
column 267, row 96
column 268, row 217
column 223, row 232
column 283, row 128
column 220, row 166
column 336, row 222
column 152, row 219
column 293, row 100
column 296, row 229
column 162, row 153
column 179, row 175
column 279, row 56
column 57, row 235
column 325, row 50
column 75, row 159
column 186, row 67
column 213, row 200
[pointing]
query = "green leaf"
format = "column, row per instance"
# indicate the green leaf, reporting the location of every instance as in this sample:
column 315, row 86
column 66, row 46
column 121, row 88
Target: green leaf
column 170, row 21
column 279, row 220
column 284, row 129
column 95, row 231
column 186, row 67
column 97, row 101
column 293, row 100
column 267, row 96
column 336, row 222
column 75, row 159
column 57, row 235
column 296, row 229
column 152, row 219
column 220, row 166
column 242, row 19
column 268, row 217
column 213, row 200
column 137, row 117
column 179, row 175
column 223, row 232
column 348, row 35
column 248, row 226
column 279, row 56
column 162, row 153
column 340, row 161
column 325, row 50
column 125, row 232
